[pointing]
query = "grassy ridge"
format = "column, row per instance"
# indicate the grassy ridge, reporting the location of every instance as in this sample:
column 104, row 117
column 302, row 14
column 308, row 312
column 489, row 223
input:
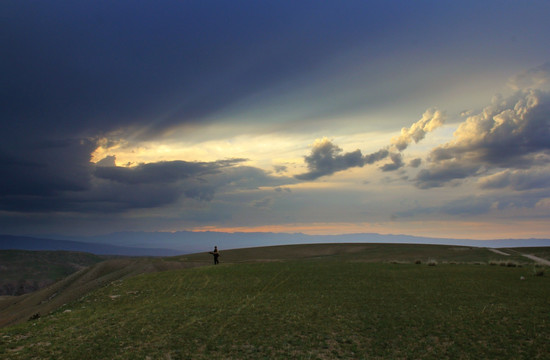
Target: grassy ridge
column 323, row 307
column 360, row 252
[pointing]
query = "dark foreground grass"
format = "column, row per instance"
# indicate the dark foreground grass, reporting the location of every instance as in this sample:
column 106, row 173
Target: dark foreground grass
column 316, row 309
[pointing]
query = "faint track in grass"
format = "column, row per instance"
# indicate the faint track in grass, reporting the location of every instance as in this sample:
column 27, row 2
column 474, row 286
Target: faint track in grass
column 276, row 281
column 537, row 259
column 498, row 252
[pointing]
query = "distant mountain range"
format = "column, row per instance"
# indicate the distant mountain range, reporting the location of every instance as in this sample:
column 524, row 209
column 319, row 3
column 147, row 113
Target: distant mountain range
column 33, row 243
column 185, row 242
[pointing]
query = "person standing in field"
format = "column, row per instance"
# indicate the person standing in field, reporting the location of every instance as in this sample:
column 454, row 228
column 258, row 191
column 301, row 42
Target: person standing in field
column 216, row 255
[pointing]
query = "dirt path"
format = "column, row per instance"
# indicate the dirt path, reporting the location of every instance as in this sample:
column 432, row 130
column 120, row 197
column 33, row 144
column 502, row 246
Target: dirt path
column 537, row 259
column 498, row 252
column 532, row 257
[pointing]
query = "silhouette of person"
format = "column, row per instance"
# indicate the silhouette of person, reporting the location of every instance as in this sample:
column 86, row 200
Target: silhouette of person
column 216, row 255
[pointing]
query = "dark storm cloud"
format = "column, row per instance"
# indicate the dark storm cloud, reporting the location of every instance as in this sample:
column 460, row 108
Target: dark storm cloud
column 97, row 65
column 397, row 163
column 113, row 197
column 117, row 189
column 46, row 167
column 161, row 172
column 325, row 159
column 511, row 133
column 76, row 71
column 155, row 184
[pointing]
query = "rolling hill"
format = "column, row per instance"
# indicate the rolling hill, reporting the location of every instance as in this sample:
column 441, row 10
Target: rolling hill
column 20, row 308
column 305, row 301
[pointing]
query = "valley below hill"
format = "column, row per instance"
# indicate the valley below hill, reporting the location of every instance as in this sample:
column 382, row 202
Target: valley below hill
column 23, row 271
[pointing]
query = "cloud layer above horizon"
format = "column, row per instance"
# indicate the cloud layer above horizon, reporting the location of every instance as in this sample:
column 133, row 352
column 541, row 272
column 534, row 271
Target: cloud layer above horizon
column 328, row 117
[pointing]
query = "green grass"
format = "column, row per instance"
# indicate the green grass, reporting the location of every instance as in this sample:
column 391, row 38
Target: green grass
column 317, row 308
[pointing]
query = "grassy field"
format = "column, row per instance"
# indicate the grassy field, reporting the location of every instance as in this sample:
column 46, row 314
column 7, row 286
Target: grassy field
column 328, row 304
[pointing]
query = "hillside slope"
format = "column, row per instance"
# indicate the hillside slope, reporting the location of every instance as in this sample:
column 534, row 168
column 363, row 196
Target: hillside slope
column 23, row 271
column 14, row 309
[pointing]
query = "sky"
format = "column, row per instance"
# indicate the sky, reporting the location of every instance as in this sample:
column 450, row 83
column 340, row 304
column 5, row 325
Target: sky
column 427, row 118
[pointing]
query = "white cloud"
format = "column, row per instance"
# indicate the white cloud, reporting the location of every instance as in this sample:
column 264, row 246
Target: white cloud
column 431, row 120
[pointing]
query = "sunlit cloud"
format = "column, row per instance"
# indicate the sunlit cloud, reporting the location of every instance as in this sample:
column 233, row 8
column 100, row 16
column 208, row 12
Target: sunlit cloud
column 326, row 158
column 511, row 133
column 431, row 120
